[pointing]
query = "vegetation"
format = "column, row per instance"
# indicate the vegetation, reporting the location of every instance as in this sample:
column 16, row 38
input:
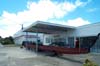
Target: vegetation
column 7, row 40
column 89, row 63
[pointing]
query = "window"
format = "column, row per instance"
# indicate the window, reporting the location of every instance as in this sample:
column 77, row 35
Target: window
column 48, row 40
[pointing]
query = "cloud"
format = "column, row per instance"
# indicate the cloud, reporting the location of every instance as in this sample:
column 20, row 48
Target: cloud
column 9, row 31
column 73, row 22
column 43, row 10
column 92, row 10
column 77, row 22
column 82, row 3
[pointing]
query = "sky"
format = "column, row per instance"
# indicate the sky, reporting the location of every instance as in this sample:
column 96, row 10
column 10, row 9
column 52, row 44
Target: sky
column 14, row 13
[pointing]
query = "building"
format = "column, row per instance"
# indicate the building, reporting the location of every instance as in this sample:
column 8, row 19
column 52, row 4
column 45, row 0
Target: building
column 86, row 35
column 21, row 36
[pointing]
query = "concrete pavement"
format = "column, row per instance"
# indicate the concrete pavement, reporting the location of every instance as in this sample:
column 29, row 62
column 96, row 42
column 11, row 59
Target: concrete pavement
column 15, row 56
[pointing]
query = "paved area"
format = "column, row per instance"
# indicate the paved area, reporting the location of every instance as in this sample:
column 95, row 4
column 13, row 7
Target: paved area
column 94, row 57
column 15, row 56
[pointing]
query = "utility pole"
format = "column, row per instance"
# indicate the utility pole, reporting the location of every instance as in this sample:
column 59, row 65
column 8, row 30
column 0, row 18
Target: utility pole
column 22, row 27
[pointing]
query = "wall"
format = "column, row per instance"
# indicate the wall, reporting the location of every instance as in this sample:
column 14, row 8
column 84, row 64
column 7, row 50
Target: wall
column 86, row 30
column 20, row 36
column 18, row 41
column 47, row 39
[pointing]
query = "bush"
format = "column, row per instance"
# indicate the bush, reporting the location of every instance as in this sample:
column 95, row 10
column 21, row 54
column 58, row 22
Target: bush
column 89, row 63
column 7, row 40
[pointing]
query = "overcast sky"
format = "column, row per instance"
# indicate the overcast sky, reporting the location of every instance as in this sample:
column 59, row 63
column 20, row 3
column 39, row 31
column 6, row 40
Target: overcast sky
column 13, row 13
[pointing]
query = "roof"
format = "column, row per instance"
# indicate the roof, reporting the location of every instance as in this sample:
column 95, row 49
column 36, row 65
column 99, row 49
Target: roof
column 46, row 27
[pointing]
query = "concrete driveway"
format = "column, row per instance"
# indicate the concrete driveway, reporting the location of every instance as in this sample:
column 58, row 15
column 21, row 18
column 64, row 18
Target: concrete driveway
column 15, row 56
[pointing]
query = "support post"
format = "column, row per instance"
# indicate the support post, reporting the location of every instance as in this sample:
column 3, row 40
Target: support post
column 37, row 42
column 26, row 36
column 79, row 45
column 74, row 42
column 43, row 39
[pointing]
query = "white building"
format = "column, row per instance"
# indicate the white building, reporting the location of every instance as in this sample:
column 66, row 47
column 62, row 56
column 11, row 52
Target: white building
column 51, row 32
column 21, row 36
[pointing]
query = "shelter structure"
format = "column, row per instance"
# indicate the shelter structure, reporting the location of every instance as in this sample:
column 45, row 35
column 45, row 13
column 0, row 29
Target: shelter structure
column 75, row 37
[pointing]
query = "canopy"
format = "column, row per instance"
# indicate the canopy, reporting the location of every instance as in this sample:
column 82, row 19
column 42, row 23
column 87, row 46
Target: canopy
column 48, row 28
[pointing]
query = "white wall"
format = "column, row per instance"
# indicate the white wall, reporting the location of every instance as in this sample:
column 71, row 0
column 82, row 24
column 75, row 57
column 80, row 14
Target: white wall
column 19, row 40
column 86, row 30
column 19, row 37
column 47, row 38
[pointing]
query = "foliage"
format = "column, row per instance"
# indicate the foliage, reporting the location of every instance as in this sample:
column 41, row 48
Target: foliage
column 89, row 63
column 1, row 39
column 6, row 40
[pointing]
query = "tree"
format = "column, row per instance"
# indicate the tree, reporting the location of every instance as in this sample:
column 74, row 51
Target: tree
column 1, row 39
column 8, row 40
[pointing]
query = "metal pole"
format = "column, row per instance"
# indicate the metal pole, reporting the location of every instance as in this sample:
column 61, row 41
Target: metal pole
column 37, row 42
column 22, row 27
column 26, row 36
column 79, row 44
column 43, row 39
column 74, row 42
column 26, row 40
